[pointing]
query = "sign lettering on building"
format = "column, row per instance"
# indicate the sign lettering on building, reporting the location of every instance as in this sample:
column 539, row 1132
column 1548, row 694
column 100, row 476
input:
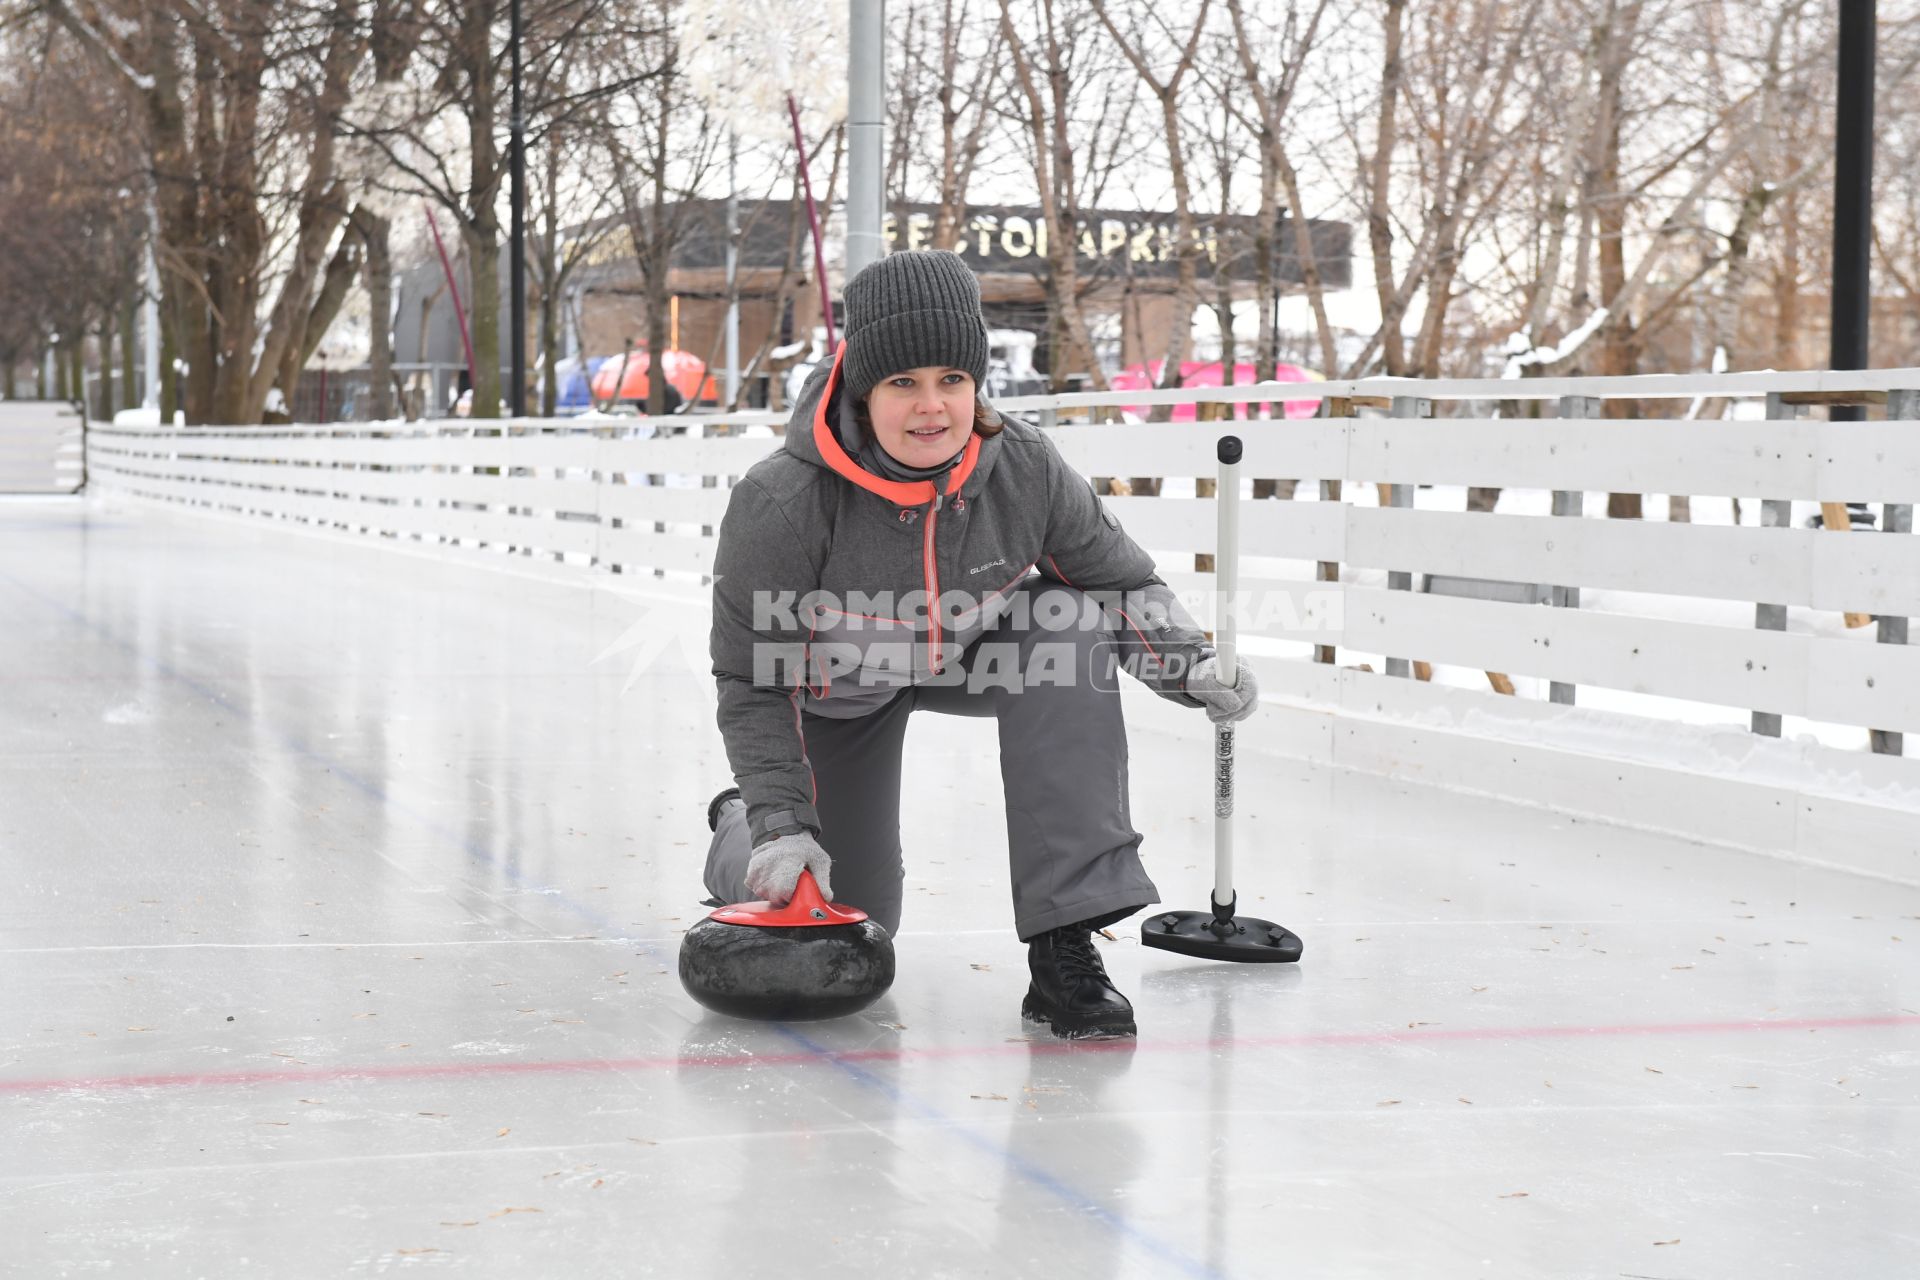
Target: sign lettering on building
column 1115, row 243
column 1109, row 244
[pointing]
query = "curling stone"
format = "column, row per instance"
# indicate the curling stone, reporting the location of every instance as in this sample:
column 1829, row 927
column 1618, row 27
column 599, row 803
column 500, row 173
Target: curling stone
column 808, row 960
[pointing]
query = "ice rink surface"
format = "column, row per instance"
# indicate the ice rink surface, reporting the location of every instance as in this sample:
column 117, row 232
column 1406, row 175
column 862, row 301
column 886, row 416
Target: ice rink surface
column 342, row 896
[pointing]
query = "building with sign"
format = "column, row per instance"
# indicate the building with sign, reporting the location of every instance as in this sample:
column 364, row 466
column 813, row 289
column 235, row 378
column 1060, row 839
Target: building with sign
column 1127, row 264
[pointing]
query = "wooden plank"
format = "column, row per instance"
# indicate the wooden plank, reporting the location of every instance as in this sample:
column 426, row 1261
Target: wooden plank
column 111, row 473
column 557, row 452
column 1717, row 563
column 36, row 415
column 1708, row 561
column 314, row 508
column 382, row 484
column 487, row 526
column 1300, row 610
column 647, row 503
column 169, row 488
column 538, row 533
column 645, row 549
column 318, row 451
column 1875, row 686
column 237, row 450
column 581, row 537
column 1834, row 397
column 322, row 508
column 1836, row 462
column 1733, row 667
column 1848, row 461
column 101, row 457
column 1591, row 454
column 35, row 480
column 576, row 496
column 459, row 452
column 1684, row 386
column 1866, row 462
column 1310, row 449
column 40, row 447
column 1291, row 530
column 684, row 455
column 18, row 449
column 246, row 474
column 1835, row 519
column 35, row 459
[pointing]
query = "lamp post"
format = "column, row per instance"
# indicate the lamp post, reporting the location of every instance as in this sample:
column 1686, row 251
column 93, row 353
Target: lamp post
column 733, row 270
column 1852, row 195
column 150, row 311
column 866, row 115
column 517, row 233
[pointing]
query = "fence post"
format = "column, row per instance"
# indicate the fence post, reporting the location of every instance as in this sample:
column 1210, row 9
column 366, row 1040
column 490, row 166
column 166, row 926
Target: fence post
column 1897, row 517
column 1329, row 570
column 1775, row 513
column 1400, row 494
column 1208, row 411
column 1570, row 502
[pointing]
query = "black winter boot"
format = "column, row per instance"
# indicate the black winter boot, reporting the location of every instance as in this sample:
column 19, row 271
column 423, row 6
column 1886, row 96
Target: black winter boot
column 1070, row 990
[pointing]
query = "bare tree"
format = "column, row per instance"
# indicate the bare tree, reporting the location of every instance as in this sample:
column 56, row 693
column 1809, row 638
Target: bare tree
column 950, row 69
column 1376, row 177
column 1677, row 113
column 1271, row 61
column 1897, row 217
column 1055, row 67
column 448, row 143
column 1453, row 72
column 1225, row 151
column 1164, row 86
column 239, row 111
column 660, row 152
column 70, row 237
column 561, row 246
column 794, row 286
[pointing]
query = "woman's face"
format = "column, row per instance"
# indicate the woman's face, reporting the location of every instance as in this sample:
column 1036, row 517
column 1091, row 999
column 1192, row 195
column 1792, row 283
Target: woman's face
column 922, row 417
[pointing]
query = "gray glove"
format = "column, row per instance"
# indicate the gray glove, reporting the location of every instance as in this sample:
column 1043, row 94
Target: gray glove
column 776, row 866
column 1224, row 704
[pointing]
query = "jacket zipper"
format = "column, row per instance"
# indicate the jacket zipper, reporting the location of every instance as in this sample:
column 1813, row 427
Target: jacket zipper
column 933, row 587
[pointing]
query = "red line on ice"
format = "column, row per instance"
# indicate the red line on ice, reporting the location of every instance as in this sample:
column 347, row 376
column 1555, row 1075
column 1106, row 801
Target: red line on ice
column 680, row 1062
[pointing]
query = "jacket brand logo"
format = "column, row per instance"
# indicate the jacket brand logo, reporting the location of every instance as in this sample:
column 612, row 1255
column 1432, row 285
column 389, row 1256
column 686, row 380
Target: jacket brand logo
column 988, row 565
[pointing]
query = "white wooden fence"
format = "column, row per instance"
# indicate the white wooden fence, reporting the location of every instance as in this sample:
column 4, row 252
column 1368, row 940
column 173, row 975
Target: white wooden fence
column 41, row 447
column 587, row 499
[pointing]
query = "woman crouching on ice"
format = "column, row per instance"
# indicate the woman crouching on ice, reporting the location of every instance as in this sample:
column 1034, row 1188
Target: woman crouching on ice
column 898, row 486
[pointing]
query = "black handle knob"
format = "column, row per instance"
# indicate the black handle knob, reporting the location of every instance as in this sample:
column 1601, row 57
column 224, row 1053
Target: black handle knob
column 1229, row 449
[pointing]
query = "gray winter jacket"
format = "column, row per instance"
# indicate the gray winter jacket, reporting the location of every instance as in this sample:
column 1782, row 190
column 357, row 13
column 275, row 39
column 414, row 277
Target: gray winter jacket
column 835, row 587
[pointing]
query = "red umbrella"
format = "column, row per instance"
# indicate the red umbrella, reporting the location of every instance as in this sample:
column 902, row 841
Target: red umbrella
column 686, row 373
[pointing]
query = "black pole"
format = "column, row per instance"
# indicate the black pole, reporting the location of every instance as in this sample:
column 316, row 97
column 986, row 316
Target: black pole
column 1853, row 194
column 517, row 252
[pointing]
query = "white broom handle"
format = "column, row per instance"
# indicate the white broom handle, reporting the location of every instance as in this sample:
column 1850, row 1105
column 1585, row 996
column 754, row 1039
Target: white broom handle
column 1226, row 570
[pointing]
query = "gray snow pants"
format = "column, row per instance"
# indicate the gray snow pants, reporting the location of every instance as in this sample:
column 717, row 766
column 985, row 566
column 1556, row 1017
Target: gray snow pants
column 1063, row 767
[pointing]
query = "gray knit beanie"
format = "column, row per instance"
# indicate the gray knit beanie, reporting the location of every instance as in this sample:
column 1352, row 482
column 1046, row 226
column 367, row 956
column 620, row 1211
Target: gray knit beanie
column 910, row 310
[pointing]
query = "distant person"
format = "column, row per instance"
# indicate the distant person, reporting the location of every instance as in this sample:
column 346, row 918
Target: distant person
column 898, row 484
